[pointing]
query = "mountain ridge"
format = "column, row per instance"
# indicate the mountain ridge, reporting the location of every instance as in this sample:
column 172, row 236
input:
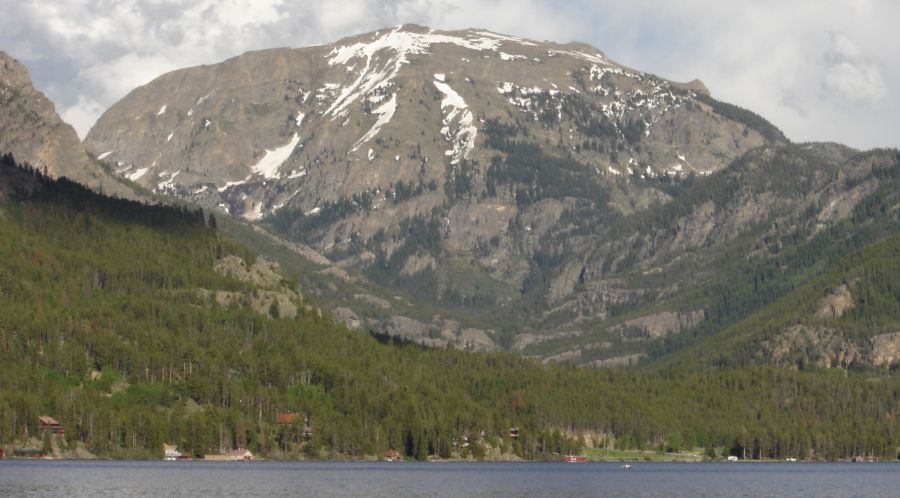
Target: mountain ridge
column 474, row 189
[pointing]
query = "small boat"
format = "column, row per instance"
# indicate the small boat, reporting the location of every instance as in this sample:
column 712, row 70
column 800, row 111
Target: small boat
column 575, row 459
column 626, row 466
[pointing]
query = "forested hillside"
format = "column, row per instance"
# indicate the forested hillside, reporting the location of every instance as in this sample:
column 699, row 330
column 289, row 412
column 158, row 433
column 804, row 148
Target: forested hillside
column 111, row 322
column 849, row 317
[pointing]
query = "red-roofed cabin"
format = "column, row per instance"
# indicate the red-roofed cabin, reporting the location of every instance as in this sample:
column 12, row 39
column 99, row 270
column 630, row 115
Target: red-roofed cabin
column 392, row 456
column 45, row 422
column 287, row 418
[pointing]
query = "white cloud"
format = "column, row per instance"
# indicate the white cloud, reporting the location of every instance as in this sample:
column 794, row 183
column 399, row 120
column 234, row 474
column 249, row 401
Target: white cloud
column 818, row 73
column 82, row 114
column 851, row 75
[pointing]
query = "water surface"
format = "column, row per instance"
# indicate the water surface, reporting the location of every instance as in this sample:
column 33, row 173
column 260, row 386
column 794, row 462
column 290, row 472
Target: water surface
column 127, row 479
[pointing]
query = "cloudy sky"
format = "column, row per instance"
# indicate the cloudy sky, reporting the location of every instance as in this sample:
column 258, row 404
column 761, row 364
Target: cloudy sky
column 818, row 69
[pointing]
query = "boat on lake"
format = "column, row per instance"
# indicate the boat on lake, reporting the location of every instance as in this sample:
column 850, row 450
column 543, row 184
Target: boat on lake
column 575, row 459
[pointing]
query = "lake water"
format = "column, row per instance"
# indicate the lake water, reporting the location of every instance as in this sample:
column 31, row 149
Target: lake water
column 126, row 479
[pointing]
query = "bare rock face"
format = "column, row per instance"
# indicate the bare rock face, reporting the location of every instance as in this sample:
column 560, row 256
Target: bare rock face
column 664, row 323
column 886, row 349
column 31, row 130
column 828, row 347
column 835, row 303
column 392, row 124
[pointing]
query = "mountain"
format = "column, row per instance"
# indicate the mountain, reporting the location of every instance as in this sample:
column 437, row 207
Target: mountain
column 136, row 326
column 484, row 191
column 31, row 130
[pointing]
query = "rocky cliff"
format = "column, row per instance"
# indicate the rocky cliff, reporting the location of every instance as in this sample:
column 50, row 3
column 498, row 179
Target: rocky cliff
column 31, row 130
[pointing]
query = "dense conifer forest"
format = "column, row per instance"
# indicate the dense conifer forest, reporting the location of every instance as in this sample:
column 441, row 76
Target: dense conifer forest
column 108, row 325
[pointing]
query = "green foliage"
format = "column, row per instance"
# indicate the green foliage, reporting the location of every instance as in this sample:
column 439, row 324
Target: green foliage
column 102, row 327
column 533, row 175
column 871, row 276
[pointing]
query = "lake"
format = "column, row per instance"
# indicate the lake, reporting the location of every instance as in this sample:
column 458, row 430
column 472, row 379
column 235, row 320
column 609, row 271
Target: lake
column 127, row 479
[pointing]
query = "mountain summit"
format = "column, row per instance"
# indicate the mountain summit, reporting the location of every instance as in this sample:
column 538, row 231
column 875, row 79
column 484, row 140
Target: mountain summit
column 301, row 128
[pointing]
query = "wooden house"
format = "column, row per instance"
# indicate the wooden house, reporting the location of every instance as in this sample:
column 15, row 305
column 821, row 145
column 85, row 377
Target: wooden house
column 50, row 423
column 392, row 456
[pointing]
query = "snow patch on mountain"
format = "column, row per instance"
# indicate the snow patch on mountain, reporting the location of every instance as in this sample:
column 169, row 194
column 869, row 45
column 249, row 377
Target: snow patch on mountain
column 137, row 174
column 460, row 116
column 385, row 112
column 272, row 160
column 228, row 185
column 532, row 100
column 511, row 57
column 203, row 99
column 508, row 38
column 168, row 181
column 395, row 47
column 255, row 213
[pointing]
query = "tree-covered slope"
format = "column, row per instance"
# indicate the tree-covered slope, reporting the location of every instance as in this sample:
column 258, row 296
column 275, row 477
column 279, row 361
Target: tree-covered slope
column 848, row 317
column 115, row 321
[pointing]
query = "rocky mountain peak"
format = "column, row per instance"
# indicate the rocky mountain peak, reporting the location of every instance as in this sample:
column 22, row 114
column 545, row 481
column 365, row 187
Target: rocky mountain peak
column 273, row 121
column 31, row 130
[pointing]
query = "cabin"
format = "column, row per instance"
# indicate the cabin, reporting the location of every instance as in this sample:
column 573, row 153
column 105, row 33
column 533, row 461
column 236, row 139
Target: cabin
column 286, row 418
column 241, row 455
column 392, row 456
column 170, row 452
column 50, row 423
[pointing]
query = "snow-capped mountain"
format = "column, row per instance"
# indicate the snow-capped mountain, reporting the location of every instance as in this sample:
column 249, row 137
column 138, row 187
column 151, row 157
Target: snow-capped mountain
column 300, row 128
column 530, row 195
